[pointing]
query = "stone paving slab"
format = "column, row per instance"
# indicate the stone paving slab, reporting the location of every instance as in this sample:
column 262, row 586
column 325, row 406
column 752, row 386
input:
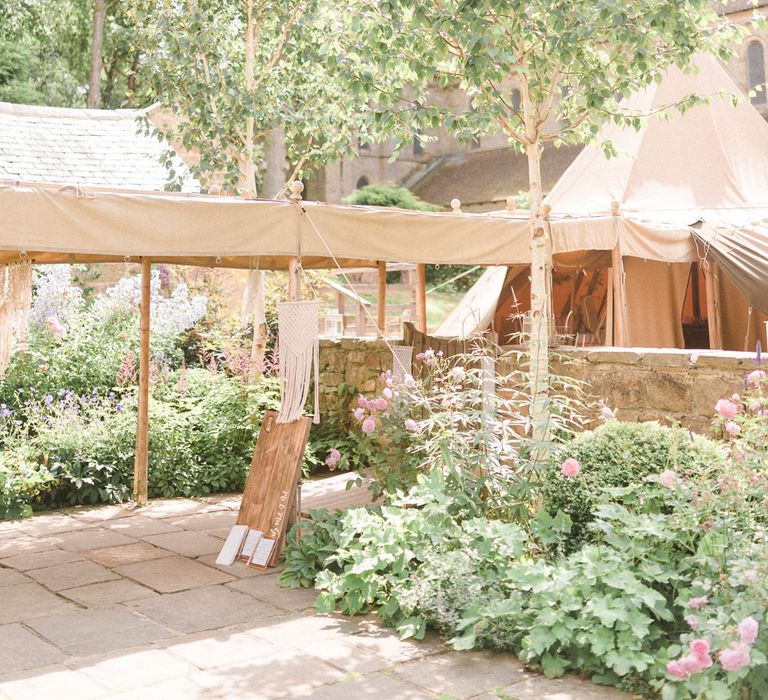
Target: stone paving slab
column 210, row 520
column 302, row 629
column 463, row 674
column 190, row 544
column 76, row 573
column 102, row 514
column 91, row 538
column 39, row 560
column 120, row 671
column 267, row 589
column 27, row 600
column 173, row 574
column 50, row 524
column 10, row 577
column 238, row 569
column 141, row 526
column 127, row 554
column 201, row 609
column 176, row 507
column 20, row 543
column 108, row 593
column 21, row 649
column 344, row 656
column 540, row 688
column 373, row 686
column 387, row 643
column 289, row 674
column 210, row 650
column 98, row 630
column 172, row 689
column 56, row 682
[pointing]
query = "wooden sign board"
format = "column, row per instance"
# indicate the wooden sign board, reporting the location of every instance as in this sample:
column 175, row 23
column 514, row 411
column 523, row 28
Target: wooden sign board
column 270, row 490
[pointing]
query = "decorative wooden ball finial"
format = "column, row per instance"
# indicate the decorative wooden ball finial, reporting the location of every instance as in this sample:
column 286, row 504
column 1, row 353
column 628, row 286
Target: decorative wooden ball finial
column 615, row 208
column 546, row 209
column 297, row 187
column 456, row 206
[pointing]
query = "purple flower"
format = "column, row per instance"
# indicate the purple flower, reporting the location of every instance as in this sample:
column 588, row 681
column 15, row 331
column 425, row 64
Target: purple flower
column 48, row 400
column 5, row 411
column 333, row 459
column 369, row 425
column 119, row 408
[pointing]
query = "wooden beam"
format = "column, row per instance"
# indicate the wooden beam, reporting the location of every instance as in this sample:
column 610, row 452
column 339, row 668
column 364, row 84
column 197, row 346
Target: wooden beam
column 714, row 312
column 141, row 465
column 382, row 309
column 619, row 306
column 421, row 296
column 294, row 286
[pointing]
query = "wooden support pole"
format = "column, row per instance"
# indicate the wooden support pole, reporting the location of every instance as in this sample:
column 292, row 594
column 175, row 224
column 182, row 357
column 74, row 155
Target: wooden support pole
column 421, row 296
column 141, row 465
column 294, row 283
column 382, row 308
column 714, row 317
column 619, row 321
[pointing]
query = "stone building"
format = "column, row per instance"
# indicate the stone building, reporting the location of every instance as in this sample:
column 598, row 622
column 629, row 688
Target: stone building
column 484, row 173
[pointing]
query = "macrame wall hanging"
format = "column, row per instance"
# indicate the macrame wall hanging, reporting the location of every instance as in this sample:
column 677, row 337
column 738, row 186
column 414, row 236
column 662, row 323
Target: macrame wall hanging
column 299, row 347
column 15, row 304
column 402, row 361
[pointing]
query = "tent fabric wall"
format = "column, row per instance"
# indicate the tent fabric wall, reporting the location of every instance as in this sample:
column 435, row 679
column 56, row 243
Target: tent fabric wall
column 742, row 328
column 655, row 293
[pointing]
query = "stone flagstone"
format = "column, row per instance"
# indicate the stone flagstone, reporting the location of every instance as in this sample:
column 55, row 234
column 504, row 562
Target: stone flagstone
column 77, row 573
column 172, row 574
column 266, row 588
column 10, row 577
column 141, row 526
column 203, row 609
column 127, row 554
column 39, row 560
column 21, row 649
column 57, row 682
column 24, row 544
column 373, row 687
column 108, row 592
column 206, row 521
column 208, row 650
column 98, row 630
column 190, row 544
column 51, row 524
column 27, row 600
column 92, row 538
column 238, row 569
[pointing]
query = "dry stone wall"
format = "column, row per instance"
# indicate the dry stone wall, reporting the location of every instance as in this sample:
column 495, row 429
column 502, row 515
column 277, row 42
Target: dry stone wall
column 671, row 386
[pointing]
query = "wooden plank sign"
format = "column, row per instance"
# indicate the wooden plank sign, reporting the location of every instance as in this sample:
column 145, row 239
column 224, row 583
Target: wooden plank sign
column 270, row 490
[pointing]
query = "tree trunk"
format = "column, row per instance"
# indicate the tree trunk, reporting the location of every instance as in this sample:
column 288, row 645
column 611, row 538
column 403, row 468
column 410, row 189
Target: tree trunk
column 275, row 158
column 539, row 321
column 132, row 76
column 97, row 41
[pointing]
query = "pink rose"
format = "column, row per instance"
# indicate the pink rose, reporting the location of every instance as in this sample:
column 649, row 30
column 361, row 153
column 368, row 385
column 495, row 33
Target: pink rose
column 362, row 402
column 732, row 428
column 668, row 478
column 700, row 650
column 727, row 409
column 675, row 668
column 409, row 381
column 735, row 397
column 750, row 575
column 735, row 657
column 699, row 602
column 692, row 622
column 754, row 406
column 387, row 394
column 410, row 425
column 333, row 459
column 359, row 413
column 570, row 467
column 369, row 425
column 690, row 664
column 380, row 404
column 748, row 630
column 754, row 378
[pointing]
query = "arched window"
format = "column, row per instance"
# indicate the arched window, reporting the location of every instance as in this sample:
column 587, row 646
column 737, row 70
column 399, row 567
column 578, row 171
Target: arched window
column 517, row 100
column 363, row 182
column 756, row 72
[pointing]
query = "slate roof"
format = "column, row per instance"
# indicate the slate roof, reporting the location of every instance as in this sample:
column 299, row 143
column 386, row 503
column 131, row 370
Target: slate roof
column 483, row 179
column 100, row 148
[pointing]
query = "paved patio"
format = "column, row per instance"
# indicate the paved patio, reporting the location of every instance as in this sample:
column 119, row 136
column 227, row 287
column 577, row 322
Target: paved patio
column 122, row 603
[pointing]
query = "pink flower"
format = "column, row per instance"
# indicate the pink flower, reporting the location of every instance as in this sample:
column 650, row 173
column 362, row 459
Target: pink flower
column 668, row 478
column 410, row 425
column 699, row 602
column 750, row 575
column 362, row 402
column 333, row 459
column 727, row 409
column 675, row 668
column 754, row 406
column 735, row 657
column 380, row 404
column 690, row 664
column 409, row 381
column 735, row 397
column 748, row 630
column 387, row 394
column 754, row 378
column 732, row 428
column 368, row 425
column 570, row 467
column 359, row 413
column 692, row 622
column 700, row 650
column 606, row 413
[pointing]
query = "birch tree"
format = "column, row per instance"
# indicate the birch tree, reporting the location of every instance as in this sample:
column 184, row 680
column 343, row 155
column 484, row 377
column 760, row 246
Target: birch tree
column 573, row 60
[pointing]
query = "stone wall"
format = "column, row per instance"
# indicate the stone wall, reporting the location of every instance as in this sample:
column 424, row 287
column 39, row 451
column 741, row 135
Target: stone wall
column 672, row 386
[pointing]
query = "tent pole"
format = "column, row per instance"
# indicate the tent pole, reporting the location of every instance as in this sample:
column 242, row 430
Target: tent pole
column 620, row 337
column 294, row 292
column 141, row 466
column 382, row 308
column 714, row 319
column 421, row 295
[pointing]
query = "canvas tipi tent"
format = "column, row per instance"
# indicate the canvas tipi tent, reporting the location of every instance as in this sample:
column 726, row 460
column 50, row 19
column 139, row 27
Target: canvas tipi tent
column 637, row 239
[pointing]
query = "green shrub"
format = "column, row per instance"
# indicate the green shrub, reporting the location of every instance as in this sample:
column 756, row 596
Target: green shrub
column 618, row 454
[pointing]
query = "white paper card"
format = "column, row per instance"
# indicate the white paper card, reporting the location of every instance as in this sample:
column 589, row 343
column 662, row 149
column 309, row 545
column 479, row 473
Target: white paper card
column 263, row 551
column 231, row 547
column 250, row 543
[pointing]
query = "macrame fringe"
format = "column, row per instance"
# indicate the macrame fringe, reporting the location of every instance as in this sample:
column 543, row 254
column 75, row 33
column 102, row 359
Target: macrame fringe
column 299, row 348
column 15, row 305
column 402, row 361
